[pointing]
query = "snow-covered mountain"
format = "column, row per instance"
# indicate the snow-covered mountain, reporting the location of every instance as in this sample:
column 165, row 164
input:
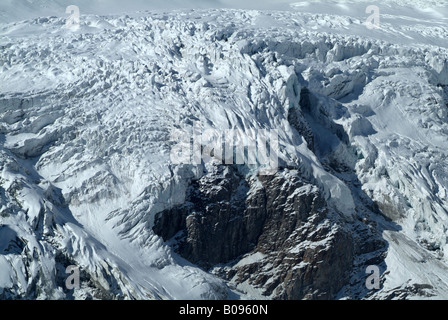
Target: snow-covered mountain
column 88, row 178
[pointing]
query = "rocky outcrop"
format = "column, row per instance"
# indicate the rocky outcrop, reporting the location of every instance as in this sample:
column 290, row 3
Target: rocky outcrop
column 273, row 233
column 214, row 219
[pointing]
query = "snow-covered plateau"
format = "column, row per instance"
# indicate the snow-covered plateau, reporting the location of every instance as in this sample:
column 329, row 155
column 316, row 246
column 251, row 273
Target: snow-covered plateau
column 87, row 177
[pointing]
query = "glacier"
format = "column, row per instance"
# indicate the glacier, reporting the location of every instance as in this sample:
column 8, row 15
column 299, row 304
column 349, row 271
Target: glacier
column 87, row 117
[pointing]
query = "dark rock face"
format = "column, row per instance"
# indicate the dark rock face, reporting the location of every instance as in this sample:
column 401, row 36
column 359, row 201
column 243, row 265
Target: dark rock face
column 214, row 220
column 274, row 233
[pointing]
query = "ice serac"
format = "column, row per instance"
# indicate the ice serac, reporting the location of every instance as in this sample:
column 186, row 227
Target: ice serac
column 87, row 178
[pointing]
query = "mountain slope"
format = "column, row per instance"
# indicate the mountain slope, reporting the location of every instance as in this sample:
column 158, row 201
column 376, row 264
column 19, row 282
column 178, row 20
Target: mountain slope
column 87, row 176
